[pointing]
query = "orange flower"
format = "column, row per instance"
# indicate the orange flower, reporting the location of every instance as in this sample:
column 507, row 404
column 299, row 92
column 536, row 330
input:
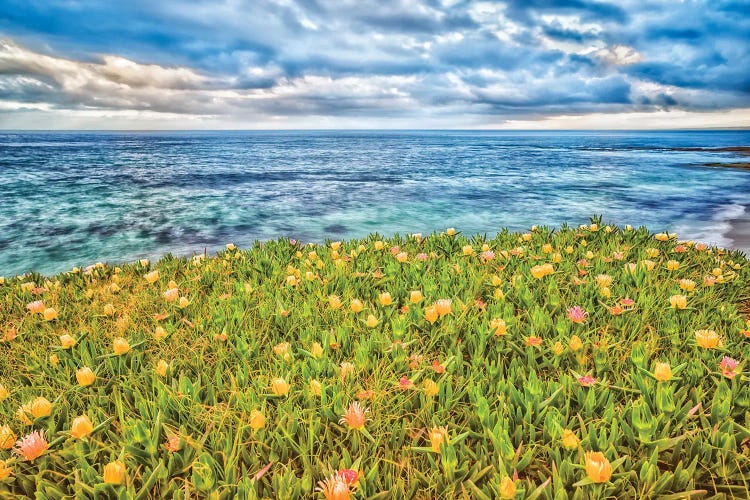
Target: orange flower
column 662, row 372
column 173, row 444
column 431, row 313
column 40, row 407
column 385, row 299
column 32, row 446
column 85, row 376
column 678, row 302
column 443, row 307
column 279, row 387
column 5, row 470
column 372, row 321
column 257, row 420
column 81, row 427
column 598, row 468
column 354, row 416
column 66, row 341
column 171, row 295
column 498, row 326
column 402, row 257
column 507, row 488
column 356, row 305
column 334, row 301
column 152, row 277
column 161, row 368
column 109, row 309
column 335, row 487
column 114, row 472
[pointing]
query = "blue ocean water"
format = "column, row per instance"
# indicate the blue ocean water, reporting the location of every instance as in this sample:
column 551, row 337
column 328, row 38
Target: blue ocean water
column 75, row 198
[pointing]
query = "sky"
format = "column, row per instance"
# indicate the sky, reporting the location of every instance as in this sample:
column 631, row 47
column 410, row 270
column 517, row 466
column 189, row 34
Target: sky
column 340, row 64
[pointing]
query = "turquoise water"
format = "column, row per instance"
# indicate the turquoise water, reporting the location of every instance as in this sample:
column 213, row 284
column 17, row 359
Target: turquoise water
column 76, row 198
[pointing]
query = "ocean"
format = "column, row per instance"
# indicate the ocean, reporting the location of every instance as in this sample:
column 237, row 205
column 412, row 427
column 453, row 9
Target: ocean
column 74, row 198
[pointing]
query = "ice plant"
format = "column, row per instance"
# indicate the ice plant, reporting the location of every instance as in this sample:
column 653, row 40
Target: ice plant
column 576, row 314
column 438, row 436
column 334, row 487
column 729, row 367
column 279, row 387
column 354, row 416
column 81, row 427
column 85, row 376
column 569, row 439
column 120, row 346
column 708, row 339
column 662, row 372
column 598, row 468
column 31, row 446
column 586, row 380
column 114, row 472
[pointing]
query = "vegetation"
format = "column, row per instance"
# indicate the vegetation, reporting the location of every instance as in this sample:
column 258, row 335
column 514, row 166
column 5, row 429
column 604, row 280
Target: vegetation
column 578, row 363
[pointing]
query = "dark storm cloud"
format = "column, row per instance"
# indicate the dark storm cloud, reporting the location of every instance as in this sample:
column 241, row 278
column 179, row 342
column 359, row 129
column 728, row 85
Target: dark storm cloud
column 253, row 60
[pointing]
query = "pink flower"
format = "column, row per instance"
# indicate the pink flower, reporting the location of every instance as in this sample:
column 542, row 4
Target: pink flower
column 680, row 249
column 728, row 367
column 292, row 242
column 626, row 302
column 576, row 314
column 395, row 250
column 480, row 303
column 32, row 446
column 487, row 255
column 586, row 380
column 350, row 476
column 35, row 307
column 618, row 255
column 422, row 256
column 533, row 341
column 404, row 383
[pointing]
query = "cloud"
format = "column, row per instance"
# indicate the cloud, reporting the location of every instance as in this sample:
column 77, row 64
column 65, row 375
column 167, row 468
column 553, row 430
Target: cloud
column 418, row 63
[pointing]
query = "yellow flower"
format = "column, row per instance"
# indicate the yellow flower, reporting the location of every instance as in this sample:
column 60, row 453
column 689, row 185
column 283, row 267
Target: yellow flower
column 498, row 326
column 345, row 369
column 402, row 257
column 67, row 341
column 281, row 349
column 50, row 314
column 661, row 236
column 378, row 245
column 575, row 343
column 569, row 439
column 673, row 265
column 257, row 420
column 159, row 333
column 161, row 368
column 648, row 264
column 4, row 393
column 467, row 250
column 230, row 246
column 334, row 301
column 687, row 285
column 708, row 339
column 507, row 488
column 114, row 472
column 5, row 470
column 526, row 236
column 316, row 350
column 7, row 437
column 152, row 277
column 431, row 313
column 450, row 231
column 547, row 248
column 598, row 468
column 85, row 376
column 335, row 245
column 316, row 387
column 120, row 346
column 415, row 297
column 356, row 305
column 443, row 307
column 558, row 348
column 279, row 387
column 183, row 303
column 430, row 388
column 594, row 228
column 678, row 301
column 81, row 427
column 109, row 309
column 372, row 321
column 438, row 436
column 605, row 291
column 385, row 299
column 40, row 407
column 662, row 372
column 603, row 280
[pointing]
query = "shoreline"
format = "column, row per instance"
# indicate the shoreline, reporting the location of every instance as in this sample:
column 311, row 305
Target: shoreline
column 739, row 233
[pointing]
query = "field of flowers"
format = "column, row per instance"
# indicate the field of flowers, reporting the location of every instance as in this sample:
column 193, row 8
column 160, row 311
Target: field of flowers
column 587, row 362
